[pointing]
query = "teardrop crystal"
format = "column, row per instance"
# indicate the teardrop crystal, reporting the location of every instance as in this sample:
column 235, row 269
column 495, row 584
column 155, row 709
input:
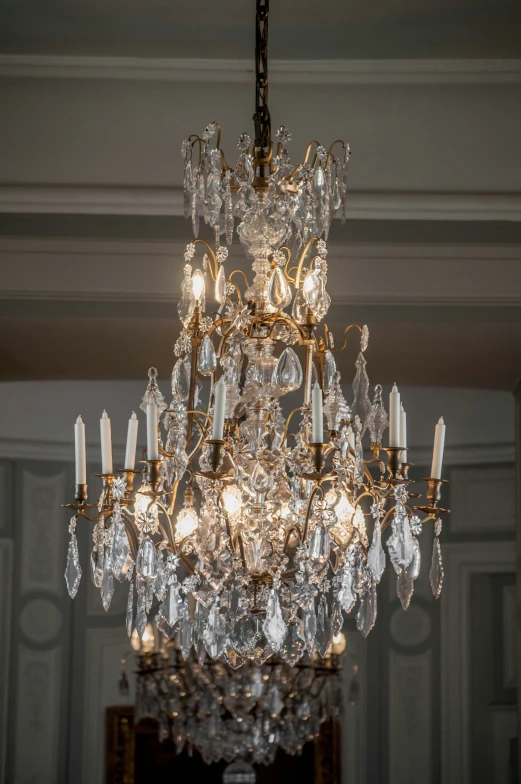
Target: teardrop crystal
column 130, row 610
column 329, row 370
column 220, row 286
column 279, row 292
column 310, row 628
column 323, row 636
column 274, row 627
column 73, row 568
column 207, row 360
column 181, row 380
column 413, row 570
column 287, row 375
column 436, row 572
column 319, row 545
column 107, row 584
column 96, row 565
column 404, row 589
column 298, row 311
column 366, row 615
column 293, row 647
column 146, row 564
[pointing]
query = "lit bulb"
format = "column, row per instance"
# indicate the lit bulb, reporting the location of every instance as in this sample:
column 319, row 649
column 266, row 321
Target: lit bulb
column 135, row 642
column 338, row 644
column 187, row 522
column 147, row 640
column 359, row 518
column 144, row 509
column 344, row 510
column 285, row 511
column 232, row 499
column 198, row 284
column 310, row 287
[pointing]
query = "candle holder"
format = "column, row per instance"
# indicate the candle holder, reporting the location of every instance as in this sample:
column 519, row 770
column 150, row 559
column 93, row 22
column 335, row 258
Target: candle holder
column 153, row 473
column 394, row 464
column 405, row 470
column 215, row 457
column 319, row 455
column 80, row 494
column 433, row 497
column 129, row 476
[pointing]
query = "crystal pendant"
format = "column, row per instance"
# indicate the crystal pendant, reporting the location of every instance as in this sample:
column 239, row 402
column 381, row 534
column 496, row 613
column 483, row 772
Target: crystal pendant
column 287, row 375
column 319, row 545
column 404, row 589
column 186, row 632
column 215, row 635
column 274, row 626
column 181, row 380
column 130, row 610
column 323, row 635
column 141, row 614
column 293, row 647
column 161, row 577
column 275, row 702
column 220, row 286
column 413, row 570
column 361, row 404
column 329, row 370
column 96, row 565
column 172, row 607
column 146, row 564
column 121, row 557
column 346, row 593
column 186, row 305
column 377, row 420
column 73, row 568
column 337, row 621
column 107, row 585
column 207, row 360
column 436, row 572
column 279, row 293
column 401, row 543
column 298, row 311
column 310, row 628
column 376, row 554
column 366, row 615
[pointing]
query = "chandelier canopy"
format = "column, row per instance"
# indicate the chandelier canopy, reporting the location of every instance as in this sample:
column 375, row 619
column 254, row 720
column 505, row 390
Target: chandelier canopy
column 254, row 527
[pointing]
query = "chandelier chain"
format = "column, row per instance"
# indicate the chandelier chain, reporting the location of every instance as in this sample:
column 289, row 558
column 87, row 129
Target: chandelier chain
column 262, row 118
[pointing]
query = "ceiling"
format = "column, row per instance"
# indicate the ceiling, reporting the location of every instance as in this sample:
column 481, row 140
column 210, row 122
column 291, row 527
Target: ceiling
column 331, row 29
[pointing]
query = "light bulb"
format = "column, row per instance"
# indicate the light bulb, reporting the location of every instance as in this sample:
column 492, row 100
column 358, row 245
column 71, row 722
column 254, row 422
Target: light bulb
column 187, row 522
column 232, row 499
column 144, row 509
column 344, row 510
column 198, row 284
column 135, row 641
column 147, row 640
column 338, row 644
column 310, row 287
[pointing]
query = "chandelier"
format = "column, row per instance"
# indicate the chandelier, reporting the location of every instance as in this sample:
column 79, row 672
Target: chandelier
column 252, row 529
column 231, row 715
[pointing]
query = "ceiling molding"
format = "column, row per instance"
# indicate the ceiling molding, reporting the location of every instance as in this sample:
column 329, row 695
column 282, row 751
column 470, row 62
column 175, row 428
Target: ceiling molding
column 443, row 71
column 362, row 205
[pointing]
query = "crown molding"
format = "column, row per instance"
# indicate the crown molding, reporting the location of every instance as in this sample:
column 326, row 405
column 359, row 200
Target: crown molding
column 443, row 71
column 362, row 205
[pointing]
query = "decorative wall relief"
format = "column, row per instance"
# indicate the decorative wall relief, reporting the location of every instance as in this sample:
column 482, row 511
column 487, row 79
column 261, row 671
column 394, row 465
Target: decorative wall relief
column 43, row 526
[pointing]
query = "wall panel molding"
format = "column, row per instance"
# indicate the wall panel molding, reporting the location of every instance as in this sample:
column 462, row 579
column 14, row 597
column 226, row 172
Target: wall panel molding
column 473, row 511
column 6, row 591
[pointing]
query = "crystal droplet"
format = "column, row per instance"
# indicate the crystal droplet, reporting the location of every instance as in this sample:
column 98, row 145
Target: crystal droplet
column 186, row 305
column 329, row 370
column 181, row 380
column 160, row 587
column 185, row 632
column 361, row 404
column 376, row 554
column 436, row 572
column 207, row 360
column 220, row 286
column 404, row 589
column 96, row 565
column 401, row 542
column 287, row 375
column 346, row 593
column 293, row 647
column 172, row 607
column 260, row 479
column 298, row 310
column 319, row 545
column 121, row 557
column 366, row 615
column 275, row 702
column 141, row 614
column 413, row 570
column 323, row 636
column 130, row 610
column 73, row 568
column 146, row 564
column 107, row 585
column 215, row 635
column 310, row 628
column 319, row 183
column 274, row 627
column 279, row 293
column 337, row 620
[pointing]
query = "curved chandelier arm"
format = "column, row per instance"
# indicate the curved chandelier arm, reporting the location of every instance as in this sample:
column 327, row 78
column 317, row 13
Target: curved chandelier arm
column 302, row 258
column 330, row 151
column 215, row 270
column 346, row 332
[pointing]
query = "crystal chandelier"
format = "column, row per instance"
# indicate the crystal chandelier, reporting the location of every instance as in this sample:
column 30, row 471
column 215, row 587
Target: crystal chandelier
column 252, row 528
column 232, row 715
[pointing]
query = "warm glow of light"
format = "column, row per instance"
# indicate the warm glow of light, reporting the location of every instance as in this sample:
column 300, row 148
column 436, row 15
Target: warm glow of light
column 187, row 522
column 344, row 509
column 135, row 642
column 232, row 499
column 198, row 284
column 142, row 504
column 309, row 285
column 147, row 640
column 338, row 644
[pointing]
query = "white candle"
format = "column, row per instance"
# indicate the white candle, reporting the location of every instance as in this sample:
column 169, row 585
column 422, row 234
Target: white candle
column 437, row 454
column 218, row 410
column 81, row 458
column 394, row 417
column 403, row 433
column 317, row 415
column 152, row 444
column 106, row 444
column 130, row 453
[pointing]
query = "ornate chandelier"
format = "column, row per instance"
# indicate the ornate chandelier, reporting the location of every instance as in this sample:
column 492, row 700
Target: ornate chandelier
column 281, row 525
column 233, row 715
